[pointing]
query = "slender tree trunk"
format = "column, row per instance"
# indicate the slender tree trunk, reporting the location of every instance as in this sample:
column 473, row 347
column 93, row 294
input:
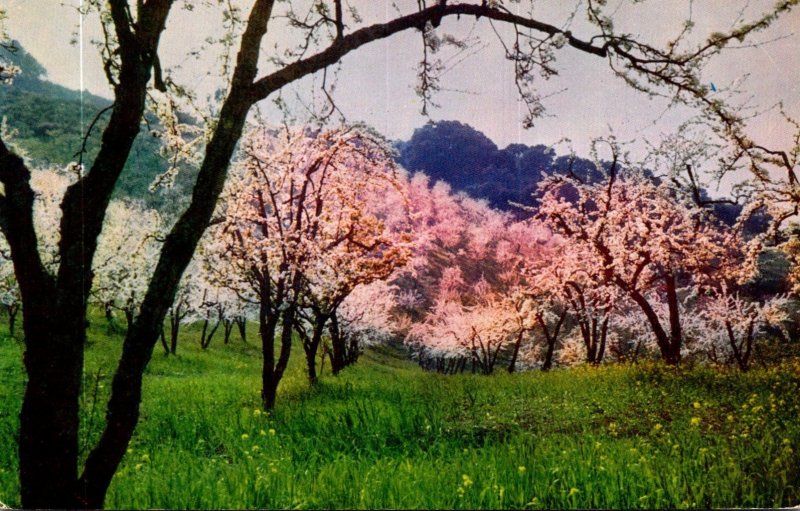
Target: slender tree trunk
column 338, row 346
column 601, row 351
column 741, row 351
column 749, row 336
column 512, row 366
column 227, row 326
column 203, row 344
column 353, row 351
column 175, row 324
column 12, row 311
column 164, row 341
column 269, row 383
column 242, row 324
column 322, row 356
column 675, row 333
column 548, row 357
column 205, row 335
column 271, row 376
column 586, row 335
column 311, row 346
column 551, row 338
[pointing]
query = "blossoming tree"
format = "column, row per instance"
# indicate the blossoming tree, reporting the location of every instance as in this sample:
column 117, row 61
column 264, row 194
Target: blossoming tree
column 127, row 252
column 297, row 226
column 647, row 242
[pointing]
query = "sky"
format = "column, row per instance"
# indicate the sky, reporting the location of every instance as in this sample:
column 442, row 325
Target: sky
column 376, row 83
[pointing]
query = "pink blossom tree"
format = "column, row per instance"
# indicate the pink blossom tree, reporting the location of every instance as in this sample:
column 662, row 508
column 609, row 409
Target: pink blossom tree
column 647, row 242
column 298, row 227
column 572, row 284
column 361, row 235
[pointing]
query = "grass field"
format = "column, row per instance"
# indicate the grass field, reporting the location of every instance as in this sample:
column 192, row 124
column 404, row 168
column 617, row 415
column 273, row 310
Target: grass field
column 386, row 435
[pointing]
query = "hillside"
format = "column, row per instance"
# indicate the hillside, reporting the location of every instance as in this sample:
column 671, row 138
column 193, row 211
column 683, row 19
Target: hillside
column 45, row 122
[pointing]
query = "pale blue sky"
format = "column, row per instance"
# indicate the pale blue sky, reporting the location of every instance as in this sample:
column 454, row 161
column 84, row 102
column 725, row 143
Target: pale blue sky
column 376, row 83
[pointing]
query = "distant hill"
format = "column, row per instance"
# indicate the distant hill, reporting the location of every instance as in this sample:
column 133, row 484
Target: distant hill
column 45, row 119
column 470, row 162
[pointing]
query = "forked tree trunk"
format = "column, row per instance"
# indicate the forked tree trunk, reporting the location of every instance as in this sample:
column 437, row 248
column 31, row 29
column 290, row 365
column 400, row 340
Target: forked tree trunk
column 311, row 345
column 242, row 324
column 227, row 328
column 272, row 370
column 551, row 337
column 594, row 335
column 205, row 335
column 668, row 343
column 741, row 350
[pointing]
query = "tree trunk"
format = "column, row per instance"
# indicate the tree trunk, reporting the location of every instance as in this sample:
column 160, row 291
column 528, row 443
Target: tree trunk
column 227, row 326
column 353, row 351
column 164, row 340
column 675, row 333
column 338, row 347
column 123, row 407
column 242, row 324
column 322, row 356
column 49, row 423
column 547, row 364
column 311, row 351
column 12, row 311
column 601, row 351
column 551, row 338
column 206, row 336
column 512, row 366
column 128, row 316
column 273, row 370
column 175, row 324
column 662, row 339
column 311, row 344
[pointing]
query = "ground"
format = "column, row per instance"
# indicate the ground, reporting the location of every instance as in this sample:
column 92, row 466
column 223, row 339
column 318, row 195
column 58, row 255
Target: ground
column 385, row 434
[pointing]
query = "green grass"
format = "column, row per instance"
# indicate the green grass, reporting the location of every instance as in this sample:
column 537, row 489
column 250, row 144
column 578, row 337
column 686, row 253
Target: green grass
column 386, row 435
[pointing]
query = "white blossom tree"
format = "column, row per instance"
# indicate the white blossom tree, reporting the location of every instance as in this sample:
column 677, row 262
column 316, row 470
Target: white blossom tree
column 728, row 326
column 127, row 251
